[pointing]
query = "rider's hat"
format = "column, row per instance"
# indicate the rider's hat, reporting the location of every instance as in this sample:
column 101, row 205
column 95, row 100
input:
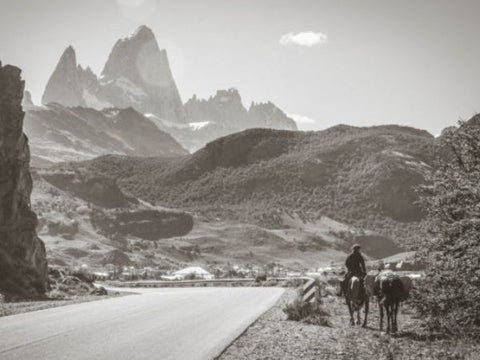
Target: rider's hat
column 356, row 246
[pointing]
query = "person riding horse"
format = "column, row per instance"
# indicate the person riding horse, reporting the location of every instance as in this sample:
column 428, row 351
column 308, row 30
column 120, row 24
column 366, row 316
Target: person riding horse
column 355, row 264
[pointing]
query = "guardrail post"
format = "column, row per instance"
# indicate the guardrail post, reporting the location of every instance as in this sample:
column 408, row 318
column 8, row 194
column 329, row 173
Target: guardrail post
column 308, row 290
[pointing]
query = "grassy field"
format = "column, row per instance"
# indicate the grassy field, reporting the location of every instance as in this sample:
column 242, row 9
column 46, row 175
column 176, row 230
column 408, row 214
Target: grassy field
column 273, row 337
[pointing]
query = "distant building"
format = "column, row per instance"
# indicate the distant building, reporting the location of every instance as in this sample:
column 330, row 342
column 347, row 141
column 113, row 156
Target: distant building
column 101, row 275
column 194, row 272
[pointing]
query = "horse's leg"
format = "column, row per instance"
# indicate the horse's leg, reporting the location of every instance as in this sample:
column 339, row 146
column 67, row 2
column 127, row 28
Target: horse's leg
column 366, row 313
column 388, row 310
column 380, row 306
column 358, row 315
column 350, row 310
column 395, row 313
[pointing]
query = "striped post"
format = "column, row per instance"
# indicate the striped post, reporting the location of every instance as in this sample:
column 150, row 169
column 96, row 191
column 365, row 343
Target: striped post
column 308, row 291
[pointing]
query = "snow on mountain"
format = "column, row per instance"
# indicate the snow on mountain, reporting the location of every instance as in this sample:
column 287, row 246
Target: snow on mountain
column 198, row 125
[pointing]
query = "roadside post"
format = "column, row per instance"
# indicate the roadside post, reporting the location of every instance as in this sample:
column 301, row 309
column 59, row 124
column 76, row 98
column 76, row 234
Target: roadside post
column 309, row 289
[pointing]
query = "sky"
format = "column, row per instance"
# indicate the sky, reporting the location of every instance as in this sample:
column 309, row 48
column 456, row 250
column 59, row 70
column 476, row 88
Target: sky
column 356, row 62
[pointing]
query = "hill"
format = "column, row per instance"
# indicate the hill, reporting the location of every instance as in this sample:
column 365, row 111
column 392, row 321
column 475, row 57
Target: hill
column 87, row 219
column 364, row 177
column 60, row 133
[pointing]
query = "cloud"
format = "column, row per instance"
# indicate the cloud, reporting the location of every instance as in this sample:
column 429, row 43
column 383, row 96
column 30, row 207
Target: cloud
column 303, row 122
column 305, row 38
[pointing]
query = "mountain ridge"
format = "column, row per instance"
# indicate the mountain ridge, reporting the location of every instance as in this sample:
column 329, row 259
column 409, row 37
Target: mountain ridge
column 58, row 133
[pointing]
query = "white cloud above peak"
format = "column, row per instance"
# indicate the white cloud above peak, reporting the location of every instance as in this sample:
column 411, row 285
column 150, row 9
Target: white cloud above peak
column 304, row 38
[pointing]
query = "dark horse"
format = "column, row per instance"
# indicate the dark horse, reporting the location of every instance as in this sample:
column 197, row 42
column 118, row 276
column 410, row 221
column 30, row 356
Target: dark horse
column 356, row 297
column 390, row 290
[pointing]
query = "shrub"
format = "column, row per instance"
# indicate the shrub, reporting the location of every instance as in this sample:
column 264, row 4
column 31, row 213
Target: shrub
column 261, row 277
column 190, row 276
column 308, row 312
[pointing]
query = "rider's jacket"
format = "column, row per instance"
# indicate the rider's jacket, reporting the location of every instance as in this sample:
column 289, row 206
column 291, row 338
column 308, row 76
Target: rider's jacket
column 355, row 263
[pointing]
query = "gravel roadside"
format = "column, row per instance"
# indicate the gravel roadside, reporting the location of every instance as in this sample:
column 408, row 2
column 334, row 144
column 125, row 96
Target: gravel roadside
column 273, row 337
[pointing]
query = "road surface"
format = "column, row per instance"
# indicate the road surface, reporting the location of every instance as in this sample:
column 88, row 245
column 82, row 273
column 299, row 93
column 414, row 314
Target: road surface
column 181, row 323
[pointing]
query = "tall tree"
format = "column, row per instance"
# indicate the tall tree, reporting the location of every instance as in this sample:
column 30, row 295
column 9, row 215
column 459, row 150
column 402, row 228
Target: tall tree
column 450, row 295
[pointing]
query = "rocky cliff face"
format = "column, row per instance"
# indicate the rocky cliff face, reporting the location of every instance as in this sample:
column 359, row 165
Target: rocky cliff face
column 23, row 265
column 137, row 74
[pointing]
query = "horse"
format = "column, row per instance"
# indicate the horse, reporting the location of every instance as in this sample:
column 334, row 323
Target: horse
column 390, row 289
column 356, row 297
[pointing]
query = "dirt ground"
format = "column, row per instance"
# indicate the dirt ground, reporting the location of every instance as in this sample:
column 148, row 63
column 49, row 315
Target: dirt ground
column 273, row 337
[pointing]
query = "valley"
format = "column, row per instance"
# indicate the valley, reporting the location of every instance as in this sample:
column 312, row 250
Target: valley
column 260, row 198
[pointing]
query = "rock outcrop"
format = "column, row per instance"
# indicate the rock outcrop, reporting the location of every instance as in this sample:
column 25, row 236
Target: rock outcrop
column 27, row 102
column 23, row 264
column 137, row 74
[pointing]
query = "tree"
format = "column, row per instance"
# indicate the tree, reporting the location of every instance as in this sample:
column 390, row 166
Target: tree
column 450, row 294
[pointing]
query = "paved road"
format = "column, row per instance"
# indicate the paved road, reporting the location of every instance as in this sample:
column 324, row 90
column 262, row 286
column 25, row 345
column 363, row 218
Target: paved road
column 182, row 323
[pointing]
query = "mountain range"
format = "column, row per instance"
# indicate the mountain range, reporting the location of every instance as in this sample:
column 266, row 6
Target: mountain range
column 137, row 77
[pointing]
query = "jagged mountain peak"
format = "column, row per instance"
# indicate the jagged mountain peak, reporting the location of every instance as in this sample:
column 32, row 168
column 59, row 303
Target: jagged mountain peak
column 69, row 51
column 137, row 74
column 68, row 58
column 224, row 113
column 143, row 32
column 63, row 86
column 131, row 54
column 264, row 105
column 230, row 95
column 268, row 115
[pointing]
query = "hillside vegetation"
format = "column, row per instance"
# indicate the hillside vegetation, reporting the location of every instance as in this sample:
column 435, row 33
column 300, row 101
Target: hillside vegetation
column 360, row 176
